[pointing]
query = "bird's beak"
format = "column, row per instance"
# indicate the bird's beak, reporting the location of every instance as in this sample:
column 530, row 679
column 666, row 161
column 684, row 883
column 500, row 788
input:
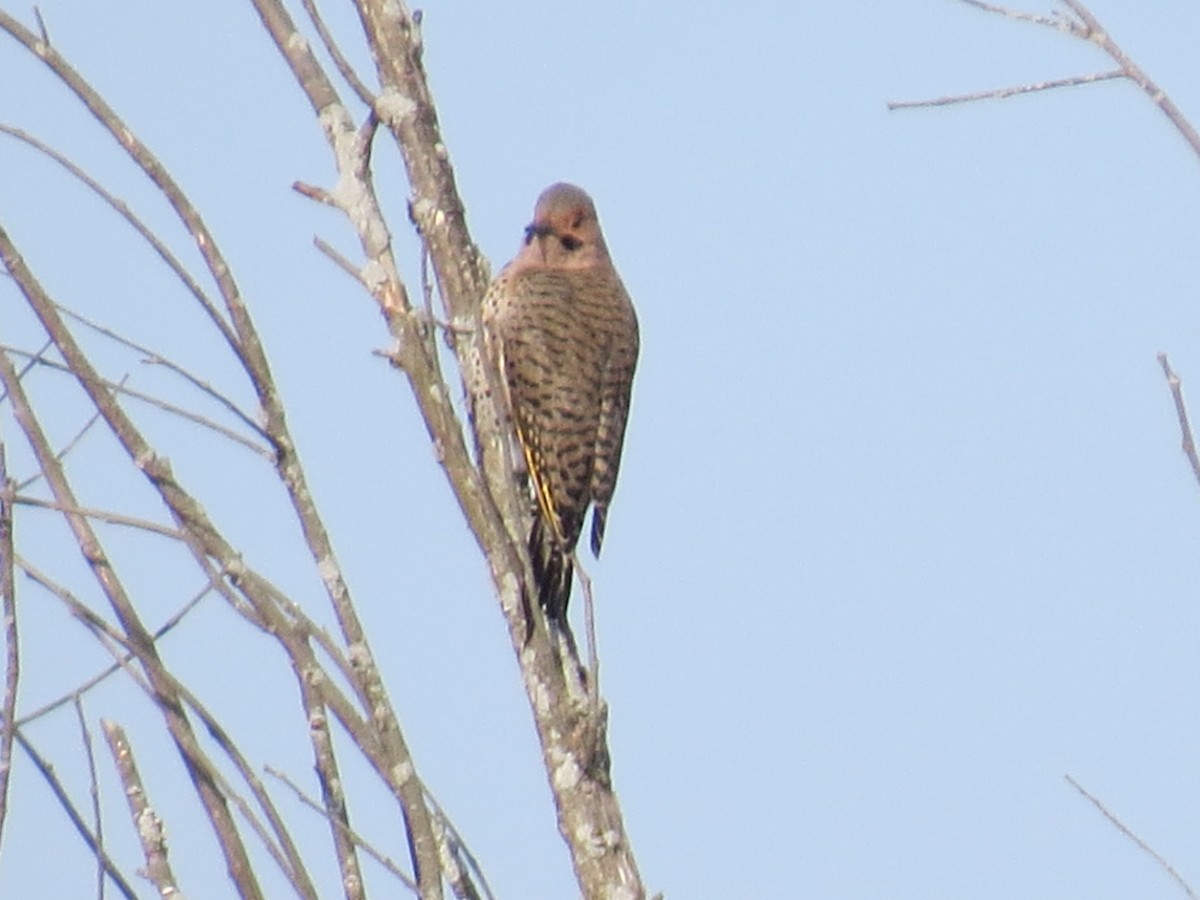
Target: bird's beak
column 536, row 229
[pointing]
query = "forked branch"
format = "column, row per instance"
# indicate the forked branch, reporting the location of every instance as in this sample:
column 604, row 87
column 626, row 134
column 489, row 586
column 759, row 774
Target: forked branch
column 1078, row 22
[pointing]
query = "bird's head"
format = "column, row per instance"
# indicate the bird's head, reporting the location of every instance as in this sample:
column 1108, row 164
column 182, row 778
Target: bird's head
column 565, row 232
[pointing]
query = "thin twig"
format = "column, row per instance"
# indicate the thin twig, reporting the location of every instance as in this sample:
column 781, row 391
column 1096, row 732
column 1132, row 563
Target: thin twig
column 1002, row 93
column 382, row 858
column 1084, row 26
column 146, row 822
column 119, row 388
column 339, row 260
column 93, row 553
column 1125, row 830
column 42, row 30
column 123, row 210
column 101, row 515
column 157, row 359
column 122, row 650
column 85, row 736
column 12, row 656
column 339, row 59
column 589, row 626
column 107, row 634
column 312, row 192
column 1054, row 21
column 110, row 670
column 33, row 360
column 332, row 791
column 70, row 445
column 64, row 800
column 453, row 870
column 460, row 845
column 1188, row 442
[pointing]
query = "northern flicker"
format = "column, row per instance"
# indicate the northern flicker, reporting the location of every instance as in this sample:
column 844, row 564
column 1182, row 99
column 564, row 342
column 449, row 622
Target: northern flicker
column 564, row 338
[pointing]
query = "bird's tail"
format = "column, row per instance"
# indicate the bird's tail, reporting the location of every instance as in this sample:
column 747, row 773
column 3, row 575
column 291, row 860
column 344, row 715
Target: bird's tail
column 551, row 571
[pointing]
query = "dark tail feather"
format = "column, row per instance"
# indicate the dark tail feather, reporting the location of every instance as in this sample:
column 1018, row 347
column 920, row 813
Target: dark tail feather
column 599, row 517
column 551, row 572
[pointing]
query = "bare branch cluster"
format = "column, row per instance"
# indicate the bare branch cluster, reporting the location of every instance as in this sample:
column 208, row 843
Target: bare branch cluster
column 1078, row 22
column 338, row 684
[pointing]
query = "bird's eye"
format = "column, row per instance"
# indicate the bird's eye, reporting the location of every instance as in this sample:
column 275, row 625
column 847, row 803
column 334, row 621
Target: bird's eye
column 570, row 242
column 530, row 231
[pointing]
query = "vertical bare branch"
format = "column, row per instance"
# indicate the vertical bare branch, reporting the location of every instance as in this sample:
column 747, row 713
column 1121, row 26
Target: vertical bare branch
column 146, row 822
column 12, row 656
column 573, row 739
column 452, row 864
column 333, row 795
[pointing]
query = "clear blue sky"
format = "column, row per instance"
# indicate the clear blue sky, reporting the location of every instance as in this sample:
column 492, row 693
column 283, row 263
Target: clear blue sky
column 903, row 533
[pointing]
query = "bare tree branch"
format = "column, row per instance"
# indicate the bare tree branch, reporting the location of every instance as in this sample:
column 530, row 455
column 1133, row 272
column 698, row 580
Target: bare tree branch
column 358, row 840
column 1052, row 21
column 450, row 839
column 146, row 822
column 1125, row 830
column 1084, row 26
column 101, row 515
column 343, row 65
column 157, row 359
column 1185, row 427
column 85, row 737
column 457, row 874
column 12, row 656
column 120, row 388
column 1003, row 93
column 100, row 676
column 123, row 210
column 333, row 794
column 573, row 738
column 1095, row 32
column 355, row 192
column 284, row 853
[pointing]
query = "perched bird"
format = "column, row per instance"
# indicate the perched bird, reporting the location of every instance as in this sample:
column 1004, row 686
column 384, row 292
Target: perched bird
column 563, row 335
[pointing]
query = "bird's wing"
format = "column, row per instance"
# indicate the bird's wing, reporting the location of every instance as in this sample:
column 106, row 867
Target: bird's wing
column 616, row 388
